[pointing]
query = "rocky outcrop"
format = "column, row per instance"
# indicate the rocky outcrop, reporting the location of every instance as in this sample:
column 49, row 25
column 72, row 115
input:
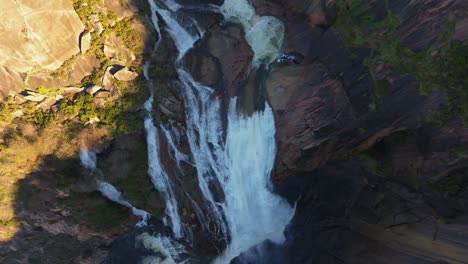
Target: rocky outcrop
column 93, row 89
column 380, row 183
column 125, row 75
column 85, row 41
column 319, row 130
column 221, row 60
column 35, row 38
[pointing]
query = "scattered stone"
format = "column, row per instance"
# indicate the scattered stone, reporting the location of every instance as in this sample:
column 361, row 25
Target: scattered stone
column 85, row 41
column 115, row 48
column 125, row 75
column 170, row 105
column 17, row 113
column 109, row 50
column 108, row 79
column 99, row 102
column 34, row 97
column 55, row 108
column 114, row 92
column 92, row 121
column 102, row 94
column 72, row 90
column 16, row 98
column 46, row 104
column 93, row 89
column 97, row 25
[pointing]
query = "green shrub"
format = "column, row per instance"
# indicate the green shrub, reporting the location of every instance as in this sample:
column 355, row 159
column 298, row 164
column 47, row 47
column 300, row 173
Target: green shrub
column 48, row 91
column 446, row 70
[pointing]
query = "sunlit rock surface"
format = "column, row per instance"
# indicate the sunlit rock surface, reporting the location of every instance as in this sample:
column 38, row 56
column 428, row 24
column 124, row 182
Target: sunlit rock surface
column 40, row 34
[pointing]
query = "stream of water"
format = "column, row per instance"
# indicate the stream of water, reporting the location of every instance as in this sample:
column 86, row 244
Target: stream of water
column 238, row 157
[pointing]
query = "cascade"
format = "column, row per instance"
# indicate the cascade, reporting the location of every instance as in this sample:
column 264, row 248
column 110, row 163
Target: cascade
column 89, row 161
column 238, row 158
column 111, row 193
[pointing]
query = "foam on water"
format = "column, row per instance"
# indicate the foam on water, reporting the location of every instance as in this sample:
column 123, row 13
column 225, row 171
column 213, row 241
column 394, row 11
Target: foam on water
column 165, row 250
column 263, row 33
column 88, row 159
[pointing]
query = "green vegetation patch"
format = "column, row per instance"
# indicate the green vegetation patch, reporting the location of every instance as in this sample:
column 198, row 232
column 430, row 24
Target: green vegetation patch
column 453, row 184
column 440, row 66
column 64, row 71
column 95, row 211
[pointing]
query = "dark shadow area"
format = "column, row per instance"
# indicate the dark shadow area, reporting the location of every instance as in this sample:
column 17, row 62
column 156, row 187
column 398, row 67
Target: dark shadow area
column 61, row 218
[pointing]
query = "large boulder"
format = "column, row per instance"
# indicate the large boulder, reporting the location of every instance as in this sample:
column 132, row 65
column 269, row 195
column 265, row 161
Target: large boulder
column 324, row 106
column 125, row 75
column 40, row 34
column 85, row 41
column 221, row 60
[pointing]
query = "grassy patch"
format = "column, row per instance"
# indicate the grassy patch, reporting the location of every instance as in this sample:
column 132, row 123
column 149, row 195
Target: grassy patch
column 64, row 71
column 96, row 212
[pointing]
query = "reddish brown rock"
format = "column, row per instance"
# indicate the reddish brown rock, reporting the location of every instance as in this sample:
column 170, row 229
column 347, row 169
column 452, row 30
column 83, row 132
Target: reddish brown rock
column 461, row 29
column 306, row 102
column 221, row 60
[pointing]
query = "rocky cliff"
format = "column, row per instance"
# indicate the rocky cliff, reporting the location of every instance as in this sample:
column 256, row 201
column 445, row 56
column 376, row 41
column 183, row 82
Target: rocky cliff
column 370, row 119
column 371, row 116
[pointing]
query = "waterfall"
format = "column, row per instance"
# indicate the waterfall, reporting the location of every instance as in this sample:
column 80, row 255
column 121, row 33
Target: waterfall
column 263, row 33
column 88, row 159
column 253, row 213
column 111, row 193
column 157, row 174
column 240, row 160
column 165, row 251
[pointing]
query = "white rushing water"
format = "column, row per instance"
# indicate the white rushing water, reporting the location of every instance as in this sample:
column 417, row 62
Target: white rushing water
column 263, row 33
column 157, row 174
column 241, row 163
column 88, row 159
column 111, row 193
column 165, row 251
column 254, row 214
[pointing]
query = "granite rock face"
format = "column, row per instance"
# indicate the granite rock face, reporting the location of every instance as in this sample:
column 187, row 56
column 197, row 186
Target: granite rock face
column 31, row 32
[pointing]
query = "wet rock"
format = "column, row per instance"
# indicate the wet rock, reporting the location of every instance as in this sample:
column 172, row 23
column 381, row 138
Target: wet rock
column 125, row 75
column 309, row 105
column 165, row 110
column 312, row 11
column 221, row 60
